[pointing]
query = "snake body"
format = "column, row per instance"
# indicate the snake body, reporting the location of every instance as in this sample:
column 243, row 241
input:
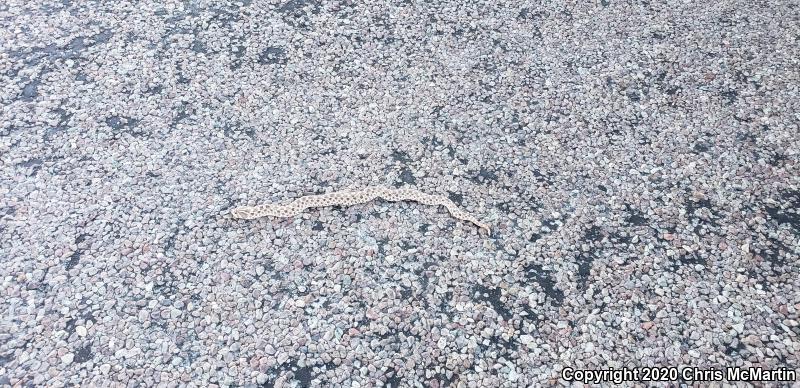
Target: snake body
column 347, row 198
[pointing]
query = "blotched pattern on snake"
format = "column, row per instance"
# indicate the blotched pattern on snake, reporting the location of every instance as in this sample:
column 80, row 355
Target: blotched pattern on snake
column 346, row 198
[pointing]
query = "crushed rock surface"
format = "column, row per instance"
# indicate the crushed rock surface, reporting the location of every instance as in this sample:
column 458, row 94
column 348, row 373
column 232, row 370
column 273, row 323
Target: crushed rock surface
column 637, row 161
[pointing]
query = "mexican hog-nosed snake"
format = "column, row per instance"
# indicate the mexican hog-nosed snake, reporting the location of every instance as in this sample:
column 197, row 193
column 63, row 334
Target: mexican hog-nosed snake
column 347, row 198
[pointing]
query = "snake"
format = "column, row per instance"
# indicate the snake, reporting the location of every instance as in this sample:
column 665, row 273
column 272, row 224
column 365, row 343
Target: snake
column 348, row 198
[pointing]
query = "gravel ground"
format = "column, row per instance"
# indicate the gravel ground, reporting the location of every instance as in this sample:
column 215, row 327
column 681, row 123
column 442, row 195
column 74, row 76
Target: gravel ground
column 637, row 161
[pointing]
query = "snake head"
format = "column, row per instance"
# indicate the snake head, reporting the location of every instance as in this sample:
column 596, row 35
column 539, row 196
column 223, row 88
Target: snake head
column 241, row 212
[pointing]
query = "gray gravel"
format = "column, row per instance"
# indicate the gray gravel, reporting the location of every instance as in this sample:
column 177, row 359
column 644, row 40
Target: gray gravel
column 638, row 163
